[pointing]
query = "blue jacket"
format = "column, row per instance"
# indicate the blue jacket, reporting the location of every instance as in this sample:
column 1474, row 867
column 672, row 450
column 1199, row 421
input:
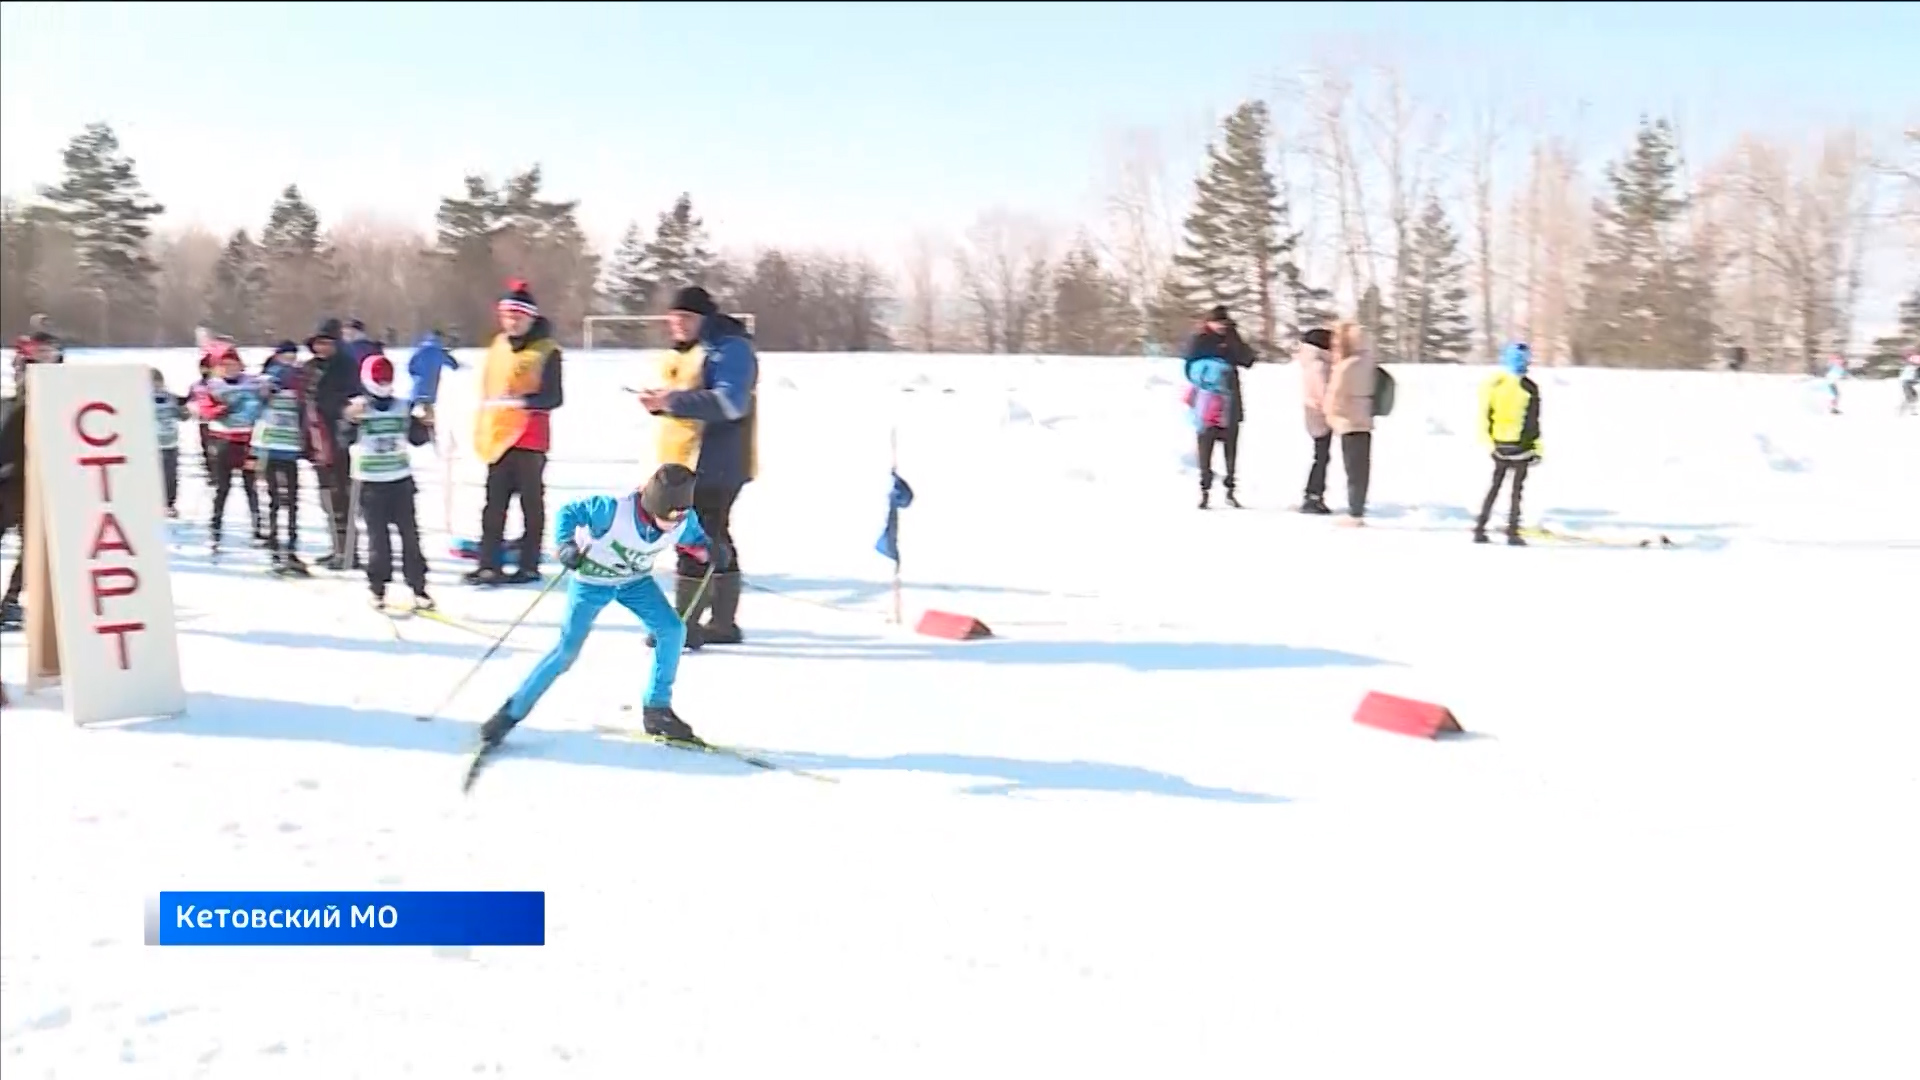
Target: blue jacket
column 428, row 360
column 596, row 513
column 724, row 404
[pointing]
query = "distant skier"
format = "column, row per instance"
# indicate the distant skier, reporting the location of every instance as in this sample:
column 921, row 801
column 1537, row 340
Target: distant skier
column 430, row 357
column 169, row 409
column 230, row 402
column 609, row 543
column 279, row 443
column 1836, row 371
column 1910, row 385
column 1510, row 427
column 379, row 429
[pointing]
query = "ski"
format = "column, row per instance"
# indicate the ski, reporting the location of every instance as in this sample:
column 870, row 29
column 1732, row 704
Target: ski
column 444, row 619
column 481, row 755
column 745, row 756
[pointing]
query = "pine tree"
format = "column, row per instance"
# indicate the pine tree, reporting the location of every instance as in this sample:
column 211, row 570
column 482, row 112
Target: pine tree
column 238, row 301
column 488, row 235
column 678, row 254
column 1648, row 302
column 628, row 284
column 297, row 270
column 102, row 206
column 1089, row 316
column 1436, row 313
column 1891, row 351
column 1377, row 320
column 1236, row 251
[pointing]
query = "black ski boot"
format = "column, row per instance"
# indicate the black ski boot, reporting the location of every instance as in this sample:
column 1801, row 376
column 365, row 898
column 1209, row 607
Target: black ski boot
column 1514, row 539
column 1232, row 499
column 1206, row 498
column 1480, row 535
column 722, row 627
column 660, row 723
column 486, row 577
column 496, row 726
column 291, row 566
column 1314, row 504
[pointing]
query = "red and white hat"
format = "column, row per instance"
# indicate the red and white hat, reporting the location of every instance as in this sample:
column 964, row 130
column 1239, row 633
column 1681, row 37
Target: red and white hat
column 376, row 374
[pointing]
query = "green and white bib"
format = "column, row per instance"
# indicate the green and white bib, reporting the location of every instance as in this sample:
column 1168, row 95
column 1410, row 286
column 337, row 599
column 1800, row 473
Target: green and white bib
column 381, row 453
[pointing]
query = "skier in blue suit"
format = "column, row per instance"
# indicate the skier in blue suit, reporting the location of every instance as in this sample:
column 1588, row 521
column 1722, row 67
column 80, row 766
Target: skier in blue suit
column 609, row 543
column 429, row 358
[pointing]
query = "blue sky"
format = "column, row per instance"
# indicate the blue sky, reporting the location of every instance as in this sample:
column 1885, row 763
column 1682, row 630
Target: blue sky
column 848, row 125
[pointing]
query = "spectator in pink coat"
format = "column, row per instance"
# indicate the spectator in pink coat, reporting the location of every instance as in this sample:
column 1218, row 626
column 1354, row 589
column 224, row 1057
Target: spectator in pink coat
column 1337, row 375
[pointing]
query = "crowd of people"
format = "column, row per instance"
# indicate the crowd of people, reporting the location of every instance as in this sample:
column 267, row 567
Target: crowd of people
column 337, row 409
column 1342, row 391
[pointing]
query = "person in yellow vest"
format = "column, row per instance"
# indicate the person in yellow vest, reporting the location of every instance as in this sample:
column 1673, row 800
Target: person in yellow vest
column 513, row 431
column 722, row 402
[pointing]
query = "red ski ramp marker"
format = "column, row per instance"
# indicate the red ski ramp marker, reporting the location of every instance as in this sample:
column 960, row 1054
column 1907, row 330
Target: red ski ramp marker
column 951, row 626
column 1405, row 716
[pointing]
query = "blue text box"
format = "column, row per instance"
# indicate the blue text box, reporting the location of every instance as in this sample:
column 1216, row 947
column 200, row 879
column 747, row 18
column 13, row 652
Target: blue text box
column 349, row 918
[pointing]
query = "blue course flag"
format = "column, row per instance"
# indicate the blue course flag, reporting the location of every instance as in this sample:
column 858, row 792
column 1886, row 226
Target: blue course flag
column 898, row 499
column 348, row 918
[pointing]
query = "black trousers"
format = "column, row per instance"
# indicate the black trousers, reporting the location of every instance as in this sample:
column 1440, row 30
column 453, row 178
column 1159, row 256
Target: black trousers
column 384, row 507
column 714, row 506
column 1356, row 459
column 13, row 518
column 230, row 464
column 519, row 473
column 1501, row 469
column 170, row 473
column 1228, row 439
column 336, row 498
column 283, row 494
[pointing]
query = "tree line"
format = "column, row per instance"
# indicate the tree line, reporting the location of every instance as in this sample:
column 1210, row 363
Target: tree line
column 1342, row 197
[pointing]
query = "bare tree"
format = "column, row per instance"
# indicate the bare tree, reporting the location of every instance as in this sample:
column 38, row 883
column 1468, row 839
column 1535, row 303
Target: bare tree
column 1141, row 229
column 185, row 282
column 383, row 274
column 1335, row 159
column 1003, row 273
column 923, row 299
column 1390, row 127
column 1488, row 130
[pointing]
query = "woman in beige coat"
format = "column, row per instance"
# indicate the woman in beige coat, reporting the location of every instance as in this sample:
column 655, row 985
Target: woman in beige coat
column 1337, row 374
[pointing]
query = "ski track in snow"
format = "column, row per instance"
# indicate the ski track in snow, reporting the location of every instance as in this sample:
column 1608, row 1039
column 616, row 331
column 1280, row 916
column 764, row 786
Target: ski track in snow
column 1135, row 835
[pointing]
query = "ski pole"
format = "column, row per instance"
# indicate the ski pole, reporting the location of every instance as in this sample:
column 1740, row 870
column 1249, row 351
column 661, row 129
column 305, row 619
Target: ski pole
column 693, row 605
column 493, row 648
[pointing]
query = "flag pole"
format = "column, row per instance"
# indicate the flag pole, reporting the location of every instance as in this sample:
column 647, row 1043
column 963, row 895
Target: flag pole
column 893, row 440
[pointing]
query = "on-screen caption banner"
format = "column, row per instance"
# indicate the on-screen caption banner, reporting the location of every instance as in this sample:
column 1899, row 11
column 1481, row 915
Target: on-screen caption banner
column 347, row 918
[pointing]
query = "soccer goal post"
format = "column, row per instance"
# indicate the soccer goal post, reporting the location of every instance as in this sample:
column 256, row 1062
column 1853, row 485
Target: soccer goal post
column 636, row 331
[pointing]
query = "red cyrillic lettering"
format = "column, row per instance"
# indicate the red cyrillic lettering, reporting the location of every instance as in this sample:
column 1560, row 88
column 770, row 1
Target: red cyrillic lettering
column 120, row 632
column 101, row 461
column 80, row 426
column 101, row 542
column 102, row 593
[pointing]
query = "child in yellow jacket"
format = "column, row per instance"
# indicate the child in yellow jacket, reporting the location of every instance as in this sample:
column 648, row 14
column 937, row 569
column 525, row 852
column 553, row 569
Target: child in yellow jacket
column 1510, row 427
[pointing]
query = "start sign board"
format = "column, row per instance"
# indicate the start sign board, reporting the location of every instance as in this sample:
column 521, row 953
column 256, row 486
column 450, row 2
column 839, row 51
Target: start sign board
column 96, row 543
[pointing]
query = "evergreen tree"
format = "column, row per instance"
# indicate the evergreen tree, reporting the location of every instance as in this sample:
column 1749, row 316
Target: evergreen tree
column 102, row 207
column 1436, row 308
column 238, row 301
column 677, row 255
column 1236, row 250
column 488, row 235
column 1891, row 351
column 629, row 286
column 1090, row 312
column 1648, row 301
column 295, row 266
column 1375, row 318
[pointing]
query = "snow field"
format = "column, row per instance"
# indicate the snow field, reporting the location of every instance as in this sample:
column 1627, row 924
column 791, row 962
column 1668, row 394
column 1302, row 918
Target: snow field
column 1135, row 835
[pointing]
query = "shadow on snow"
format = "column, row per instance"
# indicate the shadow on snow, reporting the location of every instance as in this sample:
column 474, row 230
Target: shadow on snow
column 220, row 716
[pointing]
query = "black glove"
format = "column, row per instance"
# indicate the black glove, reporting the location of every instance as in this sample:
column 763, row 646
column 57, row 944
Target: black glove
column 719, row 555
column 569, row 555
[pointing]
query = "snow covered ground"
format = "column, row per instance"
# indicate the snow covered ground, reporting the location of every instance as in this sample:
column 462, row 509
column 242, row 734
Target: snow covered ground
column 1137, row 834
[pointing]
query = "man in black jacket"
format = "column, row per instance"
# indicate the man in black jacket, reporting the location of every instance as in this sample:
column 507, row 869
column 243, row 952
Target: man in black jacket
column 336, row 382
column 1218, row 336
column 42, row 348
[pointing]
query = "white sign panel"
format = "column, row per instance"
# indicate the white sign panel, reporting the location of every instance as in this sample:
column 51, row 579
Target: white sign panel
column 96, row 460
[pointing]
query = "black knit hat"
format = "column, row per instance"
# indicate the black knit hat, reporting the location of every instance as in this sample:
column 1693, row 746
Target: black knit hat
column 669, row 490
column 1218, row 313
column 695, row 299
column 519, row 300
column 329, row 330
